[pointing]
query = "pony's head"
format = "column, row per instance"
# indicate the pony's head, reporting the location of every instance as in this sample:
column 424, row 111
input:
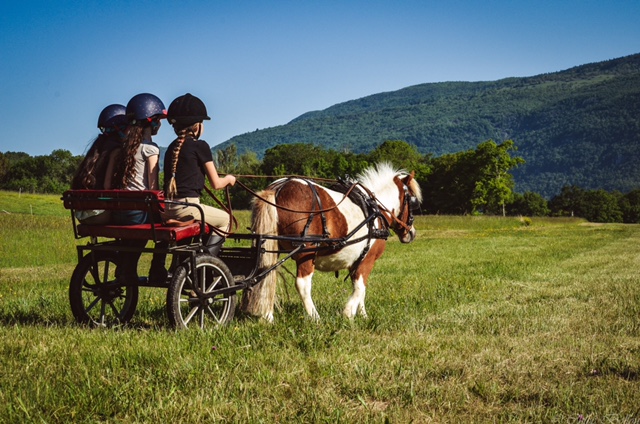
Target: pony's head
column 410, row 199
column 399, row 195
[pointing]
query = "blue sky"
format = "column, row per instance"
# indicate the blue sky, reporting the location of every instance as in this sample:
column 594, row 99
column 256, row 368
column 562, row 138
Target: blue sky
column 260, row 64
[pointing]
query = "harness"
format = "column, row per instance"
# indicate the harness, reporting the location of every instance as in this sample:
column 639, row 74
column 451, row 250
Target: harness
column 364, row 200
column 360, row 196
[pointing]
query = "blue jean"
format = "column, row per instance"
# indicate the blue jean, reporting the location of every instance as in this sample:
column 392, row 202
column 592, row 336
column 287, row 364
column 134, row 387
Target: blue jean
column 129, row 217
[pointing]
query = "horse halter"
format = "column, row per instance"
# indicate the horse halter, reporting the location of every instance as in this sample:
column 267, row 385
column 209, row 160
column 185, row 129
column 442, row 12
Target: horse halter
column 409, row 204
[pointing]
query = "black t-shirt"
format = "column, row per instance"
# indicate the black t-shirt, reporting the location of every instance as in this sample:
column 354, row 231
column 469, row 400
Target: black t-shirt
column 190, row 170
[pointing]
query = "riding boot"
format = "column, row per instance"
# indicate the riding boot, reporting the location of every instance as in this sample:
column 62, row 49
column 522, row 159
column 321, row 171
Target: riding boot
column 214, row 244
column 129, row 267
column 157, row 272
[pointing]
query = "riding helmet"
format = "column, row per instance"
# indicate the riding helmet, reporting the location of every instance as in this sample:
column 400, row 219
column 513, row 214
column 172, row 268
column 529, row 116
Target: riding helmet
column 186, row 110
column 144, row 107
column 112, row 116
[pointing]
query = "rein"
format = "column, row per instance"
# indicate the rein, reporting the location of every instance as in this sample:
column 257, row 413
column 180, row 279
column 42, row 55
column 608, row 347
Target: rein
column 377, row 209
column 228, row 210
column 257, row 196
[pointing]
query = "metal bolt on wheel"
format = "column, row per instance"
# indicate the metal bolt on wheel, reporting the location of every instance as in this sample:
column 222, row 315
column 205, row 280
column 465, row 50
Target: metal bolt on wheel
column 96, row 296
column 189, row 299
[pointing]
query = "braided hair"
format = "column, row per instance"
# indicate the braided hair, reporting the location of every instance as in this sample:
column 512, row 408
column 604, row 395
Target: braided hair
column 182, row 133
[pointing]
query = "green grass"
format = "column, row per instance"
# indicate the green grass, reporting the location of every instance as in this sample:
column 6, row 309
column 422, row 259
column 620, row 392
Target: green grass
column 479, row 320
column 12, row 202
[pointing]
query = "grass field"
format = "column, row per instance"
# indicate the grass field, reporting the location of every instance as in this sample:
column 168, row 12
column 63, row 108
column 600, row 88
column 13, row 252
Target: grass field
column 479, row 320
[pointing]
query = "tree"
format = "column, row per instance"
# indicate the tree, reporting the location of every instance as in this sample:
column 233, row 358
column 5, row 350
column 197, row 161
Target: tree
column 399, row 153
column 570, row 202
column 594, row 205
column 494, row 185
column 293, row 159
column 472, row 181
column 40, row 174
column 528, row 204
column 449, row 186
column 601, row 206
column 59, row 168
column 248, row 165
column 630, row 206
column 4, row 167
column 227, row 159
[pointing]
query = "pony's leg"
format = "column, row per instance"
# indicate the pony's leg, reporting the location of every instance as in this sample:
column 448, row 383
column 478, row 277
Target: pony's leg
column 361, row 309
column 303, row 285
column 355, row 304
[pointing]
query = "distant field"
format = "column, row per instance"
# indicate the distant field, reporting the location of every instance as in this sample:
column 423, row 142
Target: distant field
column 12, row 202
column 481, row 319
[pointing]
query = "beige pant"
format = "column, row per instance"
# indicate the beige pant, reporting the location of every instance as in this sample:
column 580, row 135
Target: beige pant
column 212, row 216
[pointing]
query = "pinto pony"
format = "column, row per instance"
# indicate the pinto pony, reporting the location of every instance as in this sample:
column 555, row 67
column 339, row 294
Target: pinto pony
column 330, row 230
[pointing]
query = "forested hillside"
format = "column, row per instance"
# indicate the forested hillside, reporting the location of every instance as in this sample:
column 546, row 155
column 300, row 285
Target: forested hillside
column 576, row 127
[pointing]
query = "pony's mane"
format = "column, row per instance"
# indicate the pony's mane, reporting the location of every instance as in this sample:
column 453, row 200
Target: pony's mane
column 380, row 176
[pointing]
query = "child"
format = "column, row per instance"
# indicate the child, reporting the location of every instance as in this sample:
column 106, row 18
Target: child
column 135, row 167
column 187, row 160
column 91, row 173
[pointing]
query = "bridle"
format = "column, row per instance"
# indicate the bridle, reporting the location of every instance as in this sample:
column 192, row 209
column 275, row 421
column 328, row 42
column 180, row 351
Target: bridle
column 402, row 222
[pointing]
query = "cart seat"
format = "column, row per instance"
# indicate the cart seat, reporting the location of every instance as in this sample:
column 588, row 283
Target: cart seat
column 142, row 231
column 150, row 201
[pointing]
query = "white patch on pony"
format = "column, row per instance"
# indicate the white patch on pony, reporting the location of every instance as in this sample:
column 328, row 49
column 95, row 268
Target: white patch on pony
column 303, row 285
column 344, row 258
column 355, row 303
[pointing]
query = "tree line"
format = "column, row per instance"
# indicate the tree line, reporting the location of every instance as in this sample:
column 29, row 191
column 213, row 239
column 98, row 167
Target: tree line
column 578, row 126
column 477, row 181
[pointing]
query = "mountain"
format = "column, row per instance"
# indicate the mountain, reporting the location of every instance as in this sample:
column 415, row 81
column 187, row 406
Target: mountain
column 578, row 127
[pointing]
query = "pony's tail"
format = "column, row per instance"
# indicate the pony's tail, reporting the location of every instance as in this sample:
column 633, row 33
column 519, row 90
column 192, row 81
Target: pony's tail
column 260, row 299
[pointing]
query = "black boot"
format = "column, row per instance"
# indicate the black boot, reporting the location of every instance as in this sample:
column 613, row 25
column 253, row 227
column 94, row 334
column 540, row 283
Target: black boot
column 129, row 267
column 158, row 273
column 214, row 244
column 127, row 270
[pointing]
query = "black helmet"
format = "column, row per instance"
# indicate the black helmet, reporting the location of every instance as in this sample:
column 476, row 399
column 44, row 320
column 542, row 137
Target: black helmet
column 145, row 106
column 112, row 116
column 186, row 110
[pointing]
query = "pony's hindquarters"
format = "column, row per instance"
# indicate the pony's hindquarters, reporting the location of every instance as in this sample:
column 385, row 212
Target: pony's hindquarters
column 260, row 299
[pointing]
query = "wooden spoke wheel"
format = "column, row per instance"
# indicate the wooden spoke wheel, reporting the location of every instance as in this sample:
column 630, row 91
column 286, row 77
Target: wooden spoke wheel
column 97, row 297
column 189, row 299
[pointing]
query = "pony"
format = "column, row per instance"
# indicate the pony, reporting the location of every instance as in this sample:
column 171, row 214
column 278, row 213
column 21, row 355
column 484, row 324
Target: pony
column 330, row 229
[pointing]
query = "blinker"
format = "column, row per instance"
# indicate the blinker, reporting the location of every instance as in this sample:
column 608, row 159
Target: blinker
column 414, row 203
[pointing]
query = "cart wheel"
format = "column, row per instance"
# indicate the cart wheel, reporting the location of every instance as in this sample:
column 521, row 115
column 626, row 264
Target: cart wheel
column 94, row 293
column 187, row 302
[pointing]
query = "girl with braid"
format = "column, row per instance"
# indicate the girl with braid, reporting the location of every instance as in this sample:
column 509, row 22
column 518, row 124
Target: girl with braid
column 187, row 160
column 135, row 167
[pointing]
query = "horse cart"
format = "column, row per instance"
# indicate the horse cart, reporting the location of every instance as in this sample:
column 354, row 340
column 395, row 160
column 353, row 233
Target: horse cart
column 202, row 289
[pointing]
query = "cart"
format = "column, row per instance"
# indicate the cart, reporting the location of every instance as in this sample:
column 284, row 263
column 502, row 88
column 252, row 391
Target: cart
column 201, row 288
